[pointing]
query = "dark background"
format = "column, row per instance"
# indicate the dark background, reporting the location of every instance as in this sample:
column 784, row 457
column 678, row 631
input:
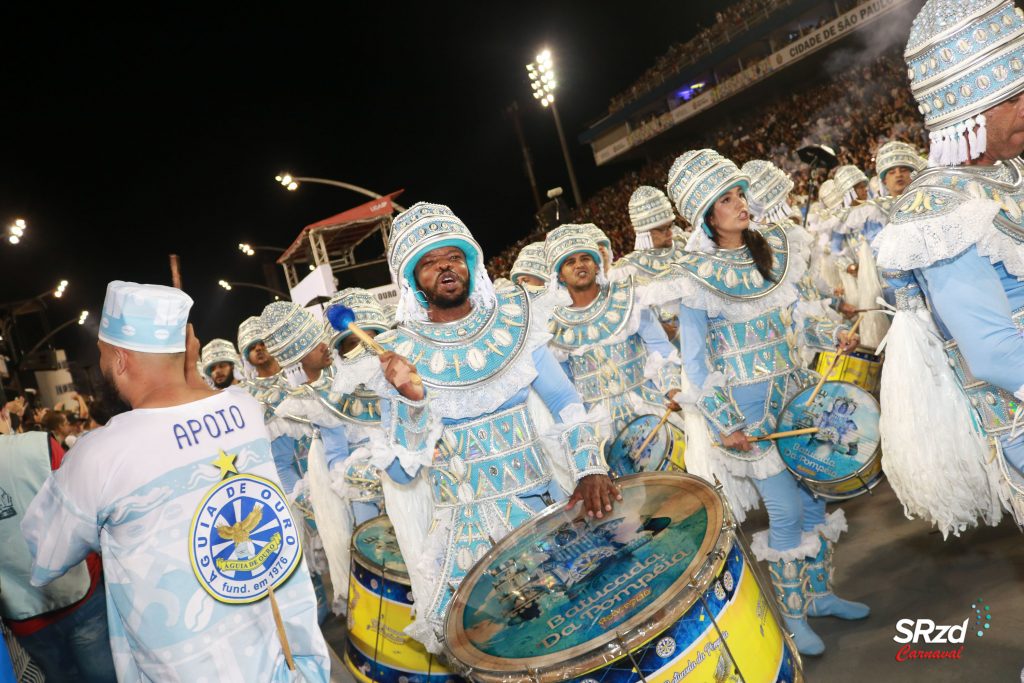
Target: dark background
column 130, row 136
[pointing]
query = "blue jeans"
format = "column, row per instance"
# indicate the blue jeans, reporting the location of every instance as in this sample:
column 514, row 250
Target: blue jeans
column 76, row 648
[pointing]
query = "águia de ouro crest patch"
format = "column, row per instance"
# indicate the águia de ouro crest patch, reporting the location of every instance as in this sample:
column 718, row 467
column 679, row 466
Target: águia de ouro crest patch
column 243, row 539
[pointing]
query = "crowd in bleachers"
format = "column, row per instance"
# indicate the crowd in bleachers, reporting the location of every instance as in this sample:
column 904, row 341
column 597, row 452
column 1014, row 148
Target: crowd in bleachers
column 729, row 21
column 854, row 112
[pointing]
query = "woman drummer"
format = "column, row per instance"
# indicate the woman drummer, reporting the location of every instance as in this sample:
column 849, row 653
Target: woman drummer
column 738, row 321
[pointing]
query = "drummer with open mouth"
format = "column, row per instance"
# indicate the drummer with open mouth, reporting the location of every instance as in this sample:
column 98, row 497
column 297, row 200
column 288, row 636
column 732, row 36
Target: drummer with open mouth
column 464, row 358
column 739, row 317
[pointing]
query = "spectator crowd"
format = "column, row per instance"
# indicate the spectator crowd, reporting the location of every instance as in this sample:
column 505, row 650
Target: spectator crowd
column 853, row 111
column 729, row 22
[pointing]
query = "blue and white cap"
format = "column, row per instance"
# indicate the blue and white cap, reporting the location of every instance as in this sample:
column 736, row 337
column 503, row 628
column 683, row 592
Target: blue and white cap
column 146, row 318
column 963, row 57
column 368, row 310
column 649, row 208
column 894, row 154
column 566, row 240
column 419, row 229
column 698, row 178
column 769, row 191
column 290, row 332
column 249, row 332
column 217, row 351
column 847, row 178
column 531, row 262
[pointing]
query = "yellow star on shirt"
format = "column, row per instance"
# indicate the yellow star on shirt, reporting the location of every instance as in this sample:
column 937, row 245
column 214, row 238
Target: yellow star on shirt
column 226, row 463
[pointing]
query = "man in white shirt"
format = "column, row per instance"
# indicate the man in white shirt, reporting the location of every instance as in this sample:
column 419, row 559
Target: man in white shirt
column 181, row 497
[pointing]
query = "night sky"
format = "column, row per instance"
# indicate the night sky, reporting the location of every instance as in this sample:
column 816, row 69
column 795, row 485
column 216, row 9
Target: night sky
column 130, row 136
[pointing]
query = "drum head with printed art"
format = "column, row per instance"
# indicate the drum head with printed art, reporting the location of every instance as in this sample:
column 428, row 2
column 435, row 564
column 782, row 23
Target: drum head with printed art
column 554, row 593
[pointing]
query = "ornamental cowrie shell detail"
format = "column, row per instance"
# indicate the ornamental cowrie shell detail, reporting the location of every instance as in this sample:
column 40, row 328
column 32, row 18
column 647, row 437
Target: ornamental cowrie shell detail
column 502, row 337
column 438, row 363
column 476, row 359
column 405, row 348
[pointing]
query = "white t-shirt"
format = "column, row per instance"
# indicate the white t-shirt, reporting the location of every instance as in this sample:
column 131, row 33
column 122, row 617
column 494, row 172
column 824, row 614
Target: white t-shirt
column 188, row 546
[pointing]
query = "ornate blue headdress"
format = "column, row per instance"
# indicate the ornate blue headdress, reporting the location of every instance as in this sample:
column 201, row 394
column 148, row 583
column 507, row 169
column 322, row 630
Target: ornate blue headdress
column 531, row 262
column 217, row 351
column 649, row 208
column 894, row 154
column 367, row 309
column 769, row 191
column 424, row 227
column 697, row 179
column 963, row 57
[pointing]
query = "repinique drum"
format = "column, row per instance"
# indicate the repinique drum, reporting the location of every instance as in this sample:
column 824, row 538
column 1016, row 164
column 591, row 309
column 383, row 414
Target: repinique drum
column 665, row 450
column 858, row 367
column 844, row 458
column 660, row 589
column 379, row 609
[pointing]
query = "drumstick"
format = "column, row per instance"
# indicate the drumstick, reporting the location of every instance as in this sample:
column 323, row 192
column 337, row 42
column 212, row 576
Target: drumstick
column 832, row 365
column 281, row 635
column 783, row 435
column 343, row 318
column 650, row 437
column 779, row 435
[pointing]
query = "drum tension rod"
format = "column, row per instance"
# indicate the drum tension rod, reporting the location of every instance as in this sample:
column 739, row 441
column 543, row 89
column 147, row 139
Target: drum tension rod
column 865, row 485
column 534, row 674
column 721, row 637
column 632, row 659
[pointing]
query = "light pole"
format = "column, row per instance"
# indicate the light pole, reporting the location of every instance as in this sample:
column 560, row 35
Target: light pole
column 291, row 183
column 542, row 80
column 251, row 249
column 80, row 320
column 16, row 230
column 231, row 285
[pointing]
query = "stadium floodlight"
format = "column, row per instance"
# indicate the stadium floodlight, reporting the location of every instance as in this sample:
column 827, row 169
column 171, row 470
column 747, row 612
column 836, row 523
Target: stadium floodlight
column 81, row 318
column 16, row 230
column 543, row 82
column 225, row 284
column 61, row 286
column 246, row 248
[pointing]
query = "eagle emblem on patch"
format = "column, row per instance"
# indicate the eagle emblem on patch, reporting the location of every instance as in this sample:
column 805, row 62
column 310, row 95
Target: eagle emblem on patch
column 243, row 539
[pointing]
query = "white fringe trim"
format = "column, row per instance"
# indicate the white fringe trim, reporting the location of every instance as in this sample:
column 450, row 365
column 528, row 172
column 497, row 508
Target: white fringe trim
column 808, row 547
column 936, row 462
column 704, row 460
column 833, row 525
column 921, row 243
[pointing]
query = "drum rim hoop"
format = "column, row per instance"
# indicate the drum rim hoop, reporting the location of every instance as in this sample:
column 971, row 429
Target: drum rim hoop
column 874, row 457
column 370, row 565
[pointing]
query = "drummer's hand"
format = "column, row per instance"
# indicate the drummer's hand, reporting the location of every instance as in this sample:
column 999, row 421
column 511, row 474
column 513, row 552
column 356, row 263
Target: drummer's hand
column 399, row 372
column 838, row 291
column 737, row 441
column 596, row 491
column 848, row 342
column 848, row 310
column 672, row 405
column 852, row 269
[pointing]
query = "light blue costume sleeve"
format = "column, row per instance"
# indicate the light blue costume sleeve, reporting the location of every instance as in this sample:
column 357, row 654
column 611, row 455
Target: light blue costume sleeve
column 552, row 383
column 62, row 523
column 335, row 444
column 969, row 298
column 715, row 402
column 283, row 449
column 578, row 441
column 653, row 334
column 838, row 242
column 693, row 331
